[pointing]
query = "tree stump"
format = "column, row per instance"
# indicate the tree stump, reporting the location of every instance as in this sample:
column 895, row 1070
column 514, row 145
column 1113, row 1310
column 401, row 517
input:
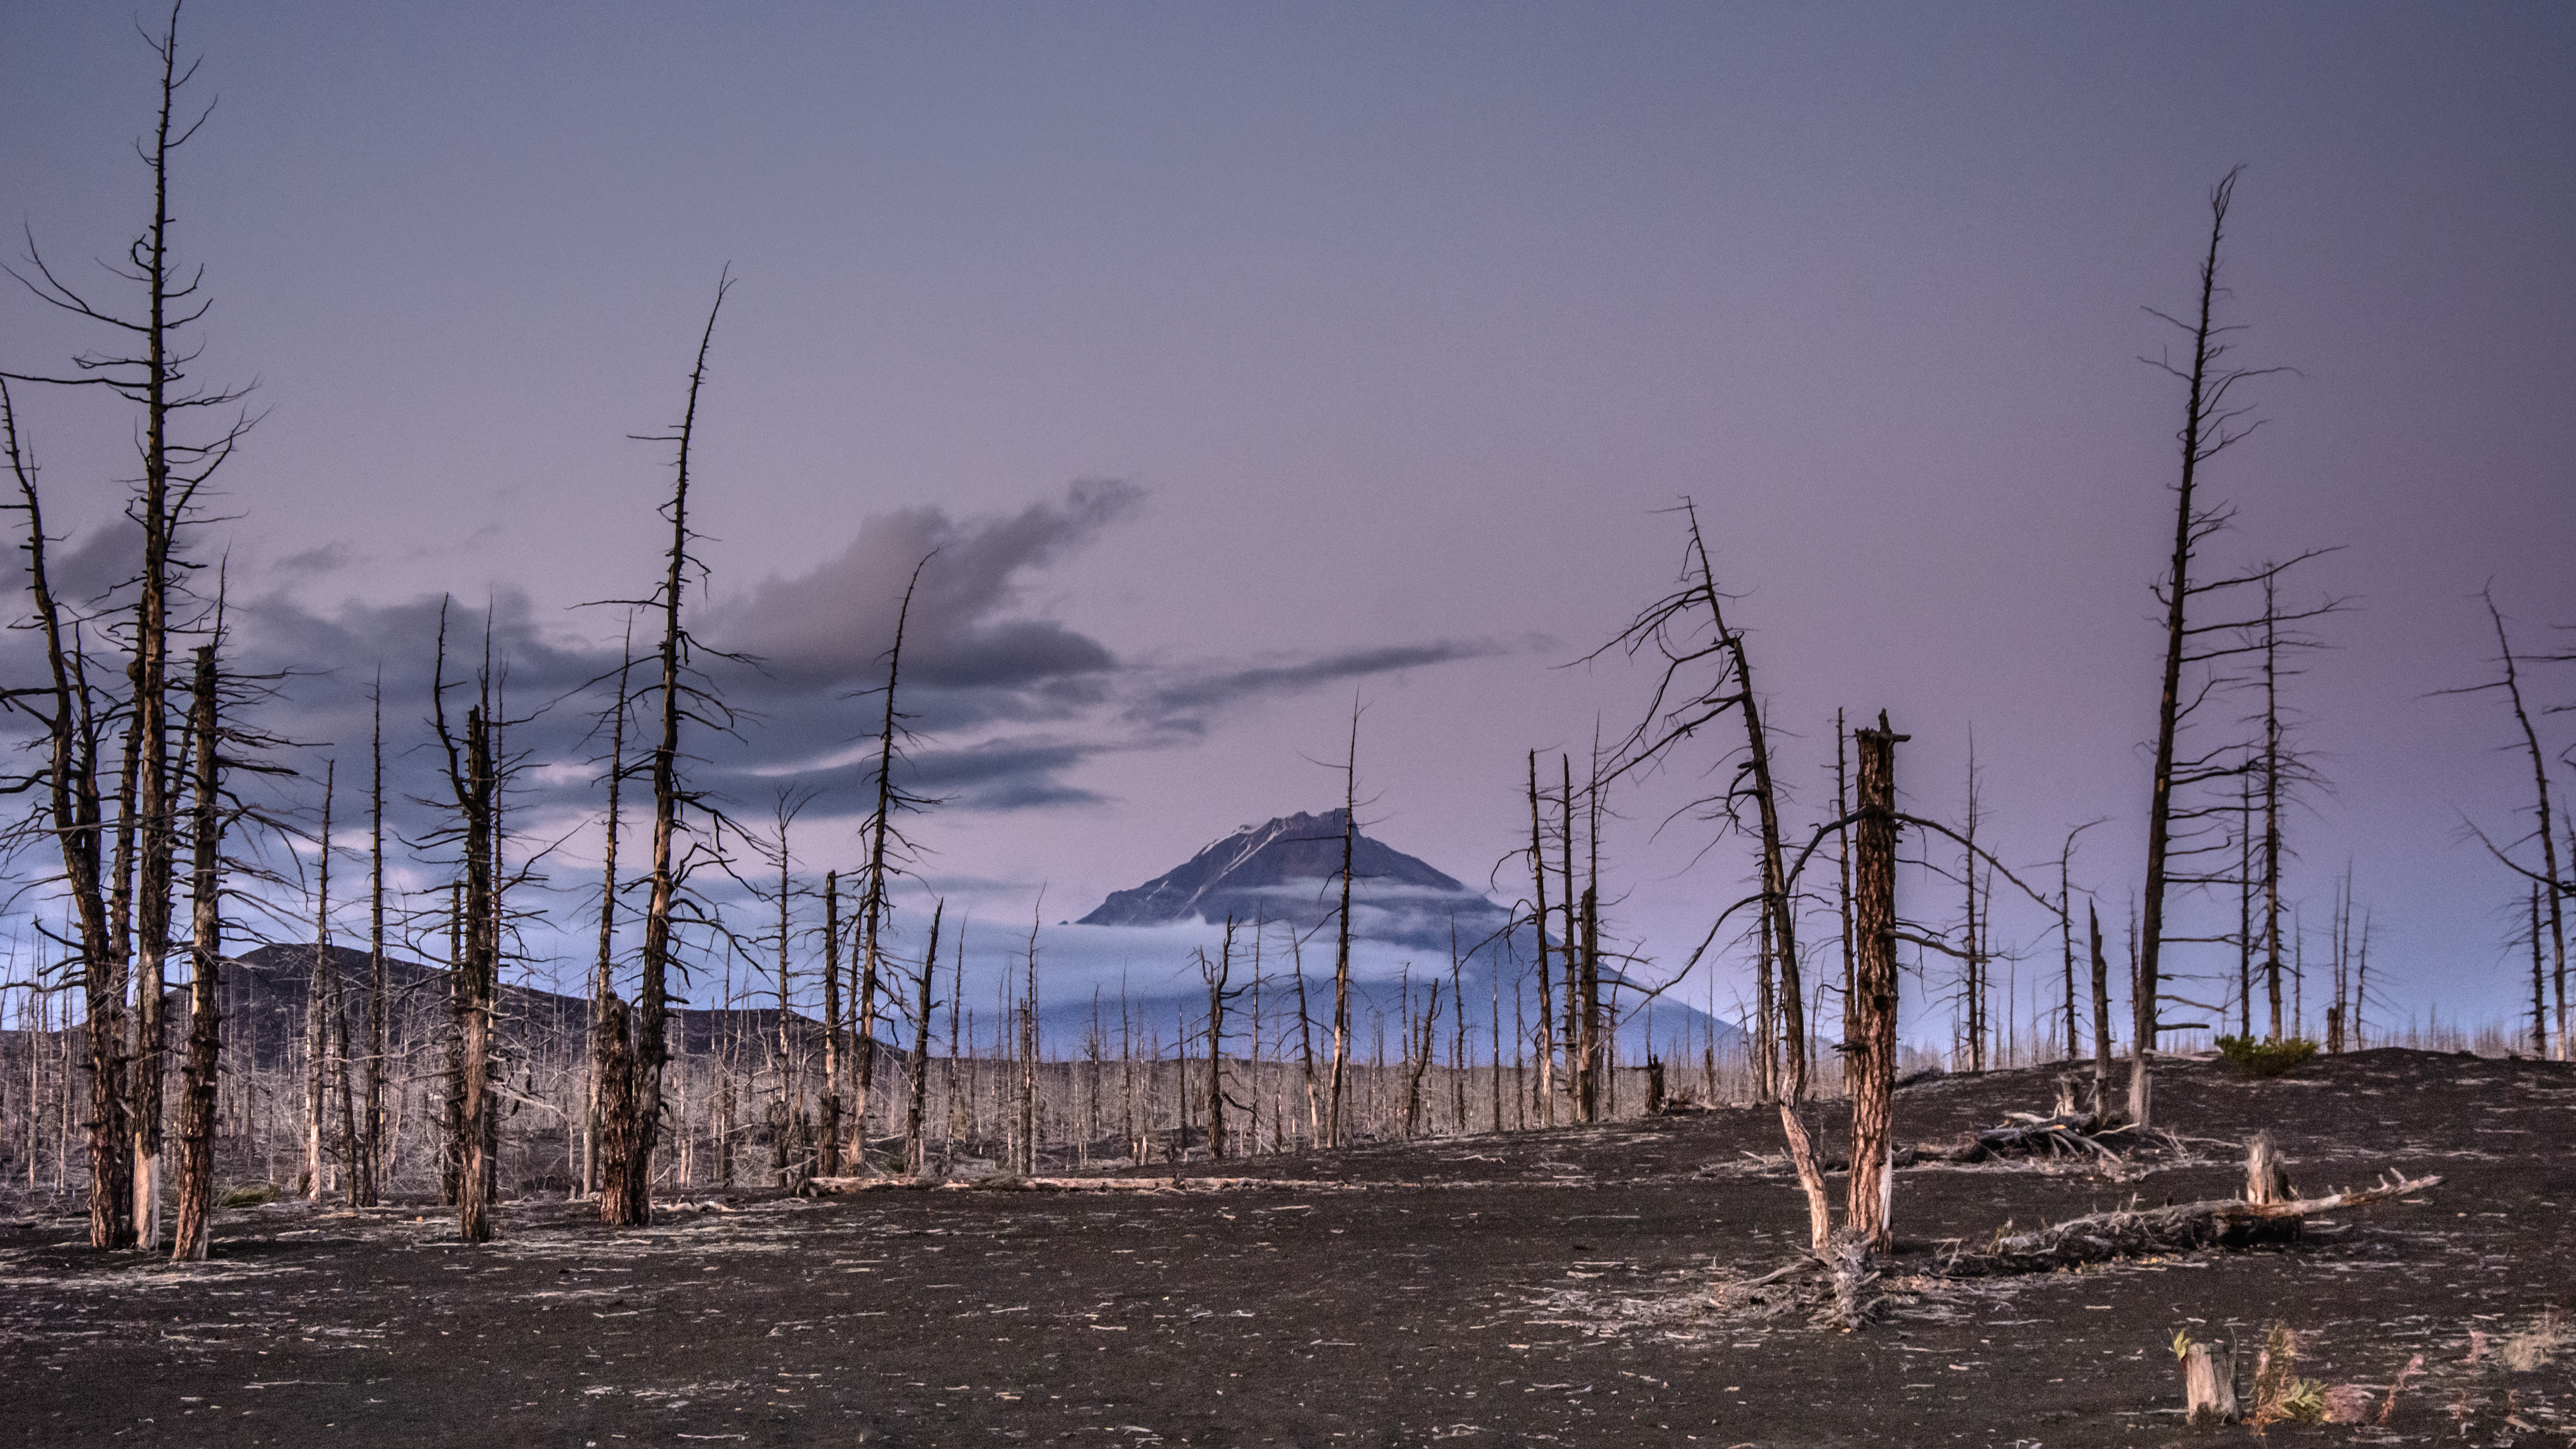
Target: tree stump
column 2267, row 1177
column 2208, row 1385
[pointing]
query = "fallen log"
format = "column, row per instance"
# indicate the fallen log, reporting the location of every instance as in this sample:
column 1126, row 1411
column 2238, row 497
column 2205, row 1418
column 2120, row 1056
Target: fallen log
column 836, row 1186
column 2129, row 1233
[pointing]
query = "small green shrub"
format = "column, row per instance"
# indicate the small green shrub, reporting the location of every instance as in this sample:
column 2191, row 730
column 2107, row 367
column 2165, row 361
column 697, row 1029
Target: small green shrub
column 2251, row 1057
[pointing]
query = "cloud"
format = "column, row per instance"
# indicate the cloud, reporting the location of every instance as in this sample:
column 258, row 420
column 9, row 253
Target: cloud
column 1007, row 704
column 836, row 623
column 1184, row 702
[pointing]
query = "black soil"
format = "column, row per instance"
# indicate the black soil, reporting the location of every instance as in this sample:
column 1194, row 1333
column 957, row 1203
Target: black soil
column 1547, row 1287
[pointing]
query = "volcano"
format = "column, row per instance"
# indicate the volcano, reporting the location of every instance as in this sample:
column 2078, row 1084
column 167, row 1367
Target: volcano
column 1289, row 870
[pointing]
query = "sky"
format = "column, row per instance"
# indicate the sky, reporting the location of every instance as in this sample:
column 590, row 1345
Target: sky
column 1247, row 365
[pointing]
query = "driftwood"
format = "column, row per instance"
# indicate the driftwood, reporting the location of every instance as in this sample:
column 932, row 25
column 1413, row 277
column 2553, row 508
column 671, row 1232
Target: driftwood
column 2226, row 1222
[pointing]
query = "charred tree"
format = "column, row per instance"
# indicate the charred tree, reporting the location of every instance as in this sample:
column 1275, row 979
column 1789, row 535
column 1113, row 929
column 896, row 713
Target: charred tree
column 191, row 1228
column 2554, row 887
column 1336, row 1124
column 371, row 1153
column 73, row 712
column 1538, row 920
column 321, row 998
column 828, row 1158
column 1215, row 975
column 1688, row 631
column 626, row 1195
column 122, row 892
column 887, row 848
column 602, row 978
column 1873, row 1045
column 2212, row 423
column 473, row 782
column 916, row 1146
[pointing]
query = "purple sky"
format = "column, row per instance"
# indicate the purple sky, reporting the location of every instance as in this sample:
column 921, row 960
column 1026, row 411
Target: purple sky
column 1243, row 357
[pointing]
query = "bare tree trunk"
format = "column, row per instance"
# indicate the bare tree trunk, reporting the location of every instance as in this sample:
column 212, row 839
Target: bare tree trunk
column 602, row 980
column 1538, row 920
column 2556, row 884
column 1335, row 1126
column 633, row 1205
column 883, row 840
column 1028, row 1084
column 74, row 812
column 916, row 1154
column 474, row 784
column 317, row 1003
column 2204, row 434
column 372, row 1155
column 1843, row 853
column 193, row 1224
column 1873, row 1098
column 2101, row 1012
column 1216, row 975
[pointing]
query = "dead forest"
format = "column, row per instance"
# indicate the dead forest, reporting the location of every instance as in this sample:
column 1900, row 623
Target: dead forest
column 191, row 1021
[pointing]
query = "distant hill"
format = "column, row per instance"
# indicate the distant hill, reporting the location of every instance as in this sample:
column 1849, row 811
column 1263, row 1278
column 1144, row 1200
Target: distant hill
column 1288, row 870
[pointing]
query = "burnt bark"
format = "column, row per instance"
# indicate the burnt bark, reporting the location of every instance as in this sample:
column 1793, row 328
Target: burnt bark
column 194, row 1219
column 1873, row 1045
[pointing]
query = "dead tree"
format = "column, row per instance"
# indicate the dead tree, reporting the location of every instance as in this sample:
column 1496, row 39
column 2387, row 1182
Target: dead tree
column 1538, row 920
column 2066, row 935
column 1215, row 975
column 1028, row 1073
column 887, row 849
column 602, row 980
column 319, row 999
column 191, row 1228
column 1336, row 1127
column 2101, row 1013
column 73, row 712
column 626, row 1193
column 2213, row 421
column 371, row 1154
column 1705, row 676
column 828, row 1157
column 1843, row 891
column 1872, row 1047
column 2553, row 886
column 473, row 782
column 1974, row 986
column 916, row 1146
column 787, row 1141
column 122, row 897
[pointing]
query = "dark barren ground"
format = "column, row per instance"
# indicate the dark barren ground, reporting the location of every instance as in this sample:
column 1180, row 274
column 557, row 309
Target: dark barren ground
column 1543, row 1287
